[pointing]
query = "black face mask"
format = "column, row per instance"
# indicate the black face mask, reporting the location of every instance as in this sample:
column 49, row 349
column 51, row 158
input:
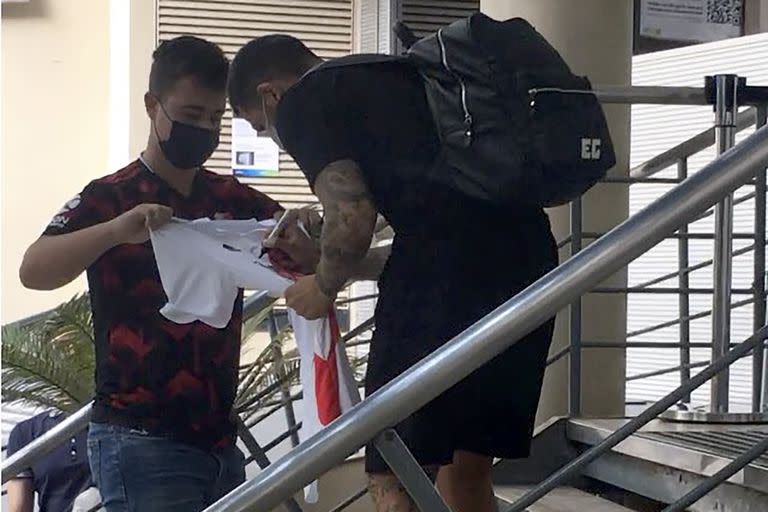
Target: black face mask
column 188, row 146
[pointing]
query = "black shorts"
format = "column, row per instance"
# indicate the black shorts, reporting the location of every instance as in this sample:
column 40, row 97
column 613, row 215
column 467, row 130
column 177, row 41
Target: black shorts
column 431, row 291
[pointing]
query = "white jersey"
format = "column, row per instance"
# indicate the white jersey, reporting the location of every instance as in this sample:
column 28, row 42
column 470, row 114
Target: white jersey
column 204, row 263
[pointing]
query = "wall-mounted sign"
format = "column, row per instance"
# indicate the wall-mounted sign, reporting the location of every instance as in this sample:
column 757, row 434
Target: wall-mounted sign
column 252, row 155
column 691, row 20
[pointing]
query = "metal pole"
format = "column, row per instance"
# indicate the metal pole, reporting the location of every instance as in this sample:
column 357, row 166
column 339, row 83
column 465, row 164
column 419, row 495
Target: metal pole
column 692, row 268
column 760, row 362
column 574, row 368
column 499, row 330
column 656, row 373
column 413, row 478
column 697, row 143
column 577, row 465
column 718, row 478
column 725, row 110
column 683, row 301
column 652, row 95
column 559, row 355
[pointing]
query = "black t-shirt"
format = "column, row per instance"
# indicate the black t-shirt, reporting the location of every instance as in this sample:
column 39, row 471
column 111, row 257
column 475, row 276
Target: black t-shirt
column 60, row 476
column 151, row 373
column 376, row 115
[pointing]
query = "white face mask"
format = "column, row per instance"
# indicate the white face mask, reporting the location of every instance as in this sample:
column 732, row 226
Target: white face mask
column 270, row 129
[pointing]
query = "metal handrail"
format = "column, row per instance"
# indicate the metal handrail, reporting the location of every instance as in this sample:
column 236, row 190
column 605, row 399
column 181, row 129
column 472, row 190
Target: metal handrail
column 78, row 421
column 686, row 318
column 497, row 331
column 666, row 371
column 656, row 95
column 698, row 142
column 690, row 269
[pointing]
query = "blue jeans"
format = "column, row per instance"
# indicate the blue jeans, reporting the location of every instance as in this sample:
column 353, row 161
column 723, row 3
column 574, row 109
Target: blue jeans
column 137, row 472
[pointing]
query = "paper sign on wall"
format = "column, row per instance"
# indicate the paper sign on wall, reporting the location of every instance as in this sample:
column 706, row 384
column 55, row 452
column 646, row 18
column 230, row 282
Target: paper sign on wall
column 691, row 20
column 252, row 155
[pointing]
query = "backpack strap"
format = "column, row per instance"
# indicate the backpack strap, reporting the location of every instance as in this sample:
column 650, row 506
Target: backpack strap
column 405, row 35
column 358, row 59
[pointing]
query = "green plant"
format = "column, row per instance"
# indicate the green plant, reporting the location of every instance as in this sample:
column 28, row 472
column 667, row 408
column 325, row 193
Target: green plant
column 50, row 362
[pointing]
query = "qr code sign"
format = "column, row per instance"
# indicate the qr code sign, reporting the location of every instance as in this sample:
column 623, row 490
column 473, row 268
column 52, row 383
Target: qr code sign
column 724, row 12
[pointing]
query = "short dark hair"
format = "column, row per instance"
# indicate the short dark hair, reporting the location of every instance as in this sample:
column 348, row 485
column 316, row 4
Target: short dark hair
column 187, row 56
column 266, row 58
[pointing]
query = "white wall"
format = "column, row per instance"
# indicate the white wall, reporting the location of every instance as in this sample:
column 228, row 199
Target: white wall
column 55, row 115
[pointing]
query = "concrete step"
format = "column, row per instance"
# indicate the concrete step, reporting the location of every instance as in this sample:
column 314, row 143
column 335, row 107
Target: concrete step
column 562, row 499
column 665, row 460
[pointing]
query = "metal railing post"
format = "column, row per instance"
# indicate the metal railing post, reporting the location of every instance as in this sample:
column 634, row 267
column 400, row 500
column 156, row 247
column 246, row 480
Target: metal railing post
column 684, row 304
column 574, row 368
column 760, row 362
column 726, row 107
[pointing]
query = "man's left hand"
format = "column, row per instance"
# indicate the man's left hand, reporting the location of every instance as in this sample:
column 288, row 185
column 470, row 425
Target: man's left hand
column 306, row 298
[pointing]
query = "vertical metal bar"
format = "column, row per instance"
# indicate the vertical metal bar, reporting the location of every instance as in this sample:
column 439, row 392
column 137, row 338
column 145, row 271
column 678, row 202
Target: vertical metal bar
column 285, row 391
column 684, row 302
column 415, row 481
column 574, row 369
column 725, row 111
column 760, row 362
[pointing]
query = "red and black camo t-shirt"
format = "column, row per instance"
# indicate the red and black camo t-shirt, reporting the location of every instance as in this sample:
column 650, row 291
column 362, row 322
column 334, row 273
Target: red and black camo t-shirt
column 152, row 374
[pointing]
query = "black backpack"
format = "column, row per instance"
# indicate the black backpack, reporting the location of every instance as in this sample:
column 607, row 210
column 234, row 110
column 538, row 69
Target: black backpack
column 517, row 126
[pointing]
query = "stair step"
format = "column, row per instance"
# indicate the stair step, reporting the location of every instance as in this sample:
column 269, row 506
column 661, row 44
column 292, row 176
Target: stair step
column 562, row 499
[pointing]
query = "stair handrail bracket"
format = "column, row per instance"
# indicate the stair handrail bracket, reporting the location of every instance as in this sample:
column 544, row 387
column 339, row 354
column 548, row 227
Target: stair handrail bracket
column 500, row 329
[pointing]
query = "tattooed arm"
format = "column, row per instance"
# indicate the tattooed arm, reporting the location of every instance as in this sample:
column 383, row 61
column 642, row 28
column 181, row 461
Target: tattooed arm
column 371, row 267
column 350, row 217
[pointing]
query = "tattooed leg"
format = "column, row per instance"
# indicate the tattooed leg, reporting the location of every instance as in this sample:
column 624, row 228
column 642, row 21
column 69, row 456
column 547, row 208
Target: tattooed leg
column 389, row 495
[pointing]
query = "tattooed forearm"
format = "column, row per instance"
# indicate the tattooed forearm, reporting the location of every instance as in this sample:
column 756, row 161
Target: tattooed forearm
column 350, row 216
column 371, row 267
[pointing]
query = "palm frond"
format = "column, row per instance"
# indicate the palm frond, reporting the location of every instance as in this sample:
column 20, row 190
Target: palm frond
column 35, row 393
column 39, row 370
column 51, row 362
column 255, row 321
column 269, row 362
column 71, row 328
column 72, row 321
